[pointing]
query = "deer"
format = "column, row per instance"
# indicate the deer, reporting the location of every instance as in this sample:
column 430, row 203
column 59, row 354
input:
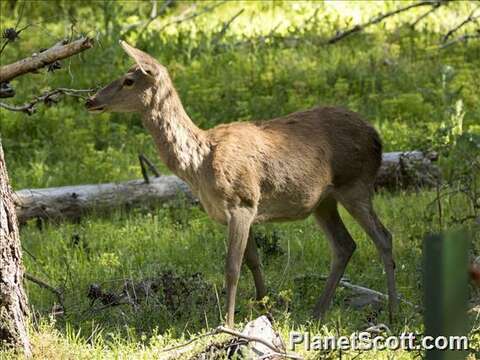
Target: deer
column 251, row 172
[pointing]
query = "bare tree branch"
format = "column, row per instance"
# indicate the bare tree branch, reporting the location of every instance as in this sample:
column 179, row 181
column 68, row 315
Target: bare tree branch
column 222, row 329
column 425, row 14
column 204, row 10
column 463, row 38
column 357, row 28
column 49, row 98
column 154, row 14
column 144, row 163
column 470, row 18
column 58, row 292
column 225, row 26
column 57, row 52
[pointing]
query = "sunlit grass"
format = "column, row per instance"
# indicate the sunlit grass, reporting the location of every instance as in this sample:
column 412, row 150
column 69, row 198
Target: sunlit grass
column 140, row 246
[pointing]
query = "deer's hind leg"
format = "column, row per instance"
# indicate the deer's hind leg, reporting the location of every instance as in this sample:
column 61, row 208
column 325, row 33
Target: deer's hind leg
column 358, row 202
column 342, row 247
column 252, row 259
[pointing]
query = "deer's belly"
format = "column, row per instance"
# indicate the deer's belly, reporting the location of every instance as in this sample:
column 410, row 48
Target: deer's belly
column 288, row 207
column 284, row 211
column 271, row 207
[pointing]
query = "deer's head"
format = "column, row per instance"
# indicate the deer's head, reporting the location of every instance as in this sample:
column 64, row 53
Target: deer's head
column 132, row 92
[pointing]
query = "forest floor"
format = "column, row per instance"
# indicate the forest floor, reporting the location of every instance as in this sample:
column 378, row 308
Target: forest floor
column 183, row 251
column 271, row 60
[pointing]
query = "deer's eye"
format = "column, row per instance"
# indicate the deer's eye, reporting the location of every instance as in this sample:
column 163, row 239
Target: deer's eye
column 128, row 82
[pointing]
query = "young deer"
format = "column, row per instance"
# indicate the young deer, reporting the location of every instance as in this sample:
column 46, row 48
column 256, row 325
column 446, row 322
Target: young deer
column 252, row 172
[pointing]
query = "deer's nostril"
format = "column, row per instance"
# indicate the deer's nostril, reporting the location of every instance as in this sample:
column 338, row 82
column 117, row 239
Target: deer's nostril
column 89, row 102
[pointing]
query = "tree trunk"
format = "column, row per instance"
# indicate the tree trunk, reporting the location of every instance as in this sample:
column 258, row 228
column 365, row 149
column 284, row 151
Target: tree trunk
column 398, row 170
column 13, row 301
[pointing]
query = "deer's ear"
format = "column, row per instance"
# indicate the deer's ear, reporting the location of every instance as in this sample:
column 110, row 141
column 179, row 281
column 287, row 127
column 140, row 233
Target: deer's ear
column 148, row 65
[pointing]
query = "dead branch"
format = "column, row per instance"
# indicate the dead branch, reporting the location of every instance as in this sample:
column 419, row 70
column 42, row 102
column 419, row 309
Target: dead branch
column 460, row 39
column 224, row 330
column 144, row 163
column 425, row 14
column 360, row 27
column 362, row 290
column 470, row 18
column 49, row 98
column 225, row 26
column 183, row 345
column 154, row 14
column 181, row 19
column 57, row 291
column 367, row 291
column 57, row 52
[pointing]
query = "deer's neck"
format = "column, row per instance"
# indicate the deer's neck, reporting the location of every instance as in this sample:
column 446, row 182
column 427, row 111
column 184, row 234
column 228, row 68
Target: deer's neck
column 181, row 144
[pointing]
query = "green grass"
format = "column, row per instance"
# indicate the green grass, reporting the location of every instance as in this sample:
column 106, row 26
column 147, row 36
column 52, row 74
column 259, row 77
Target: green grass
column 140, row 246
column 399, row 80
column 418, row 97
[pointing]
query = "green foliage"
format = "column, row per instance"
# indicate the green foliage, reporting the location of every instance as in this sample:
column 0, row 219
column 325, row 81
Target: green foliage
column 394, row 79
column 137, row 247
column 270, row 62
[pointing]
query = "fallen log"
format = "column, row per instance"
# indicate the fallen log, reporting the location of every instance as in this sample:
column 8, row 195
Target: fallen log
column 398, row 170
column 72, row 202
column 408, row 169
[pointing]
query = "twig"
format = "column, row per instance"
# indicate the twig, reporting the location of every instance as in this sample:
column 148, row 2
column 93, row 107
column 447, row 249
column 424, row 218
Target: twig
column 428, row 12
column 38, row 60
column 439, row 205
column 176, row 347
column 312, row 17
column 145, row 161
column 192, row 16
column 470, row 18
column 151, row 166
column 287, row 266
column 154, row 14
column 143, row 169
column 48, row 98
column 224, row 330
column 378, row 329
column 462, row 38
column 49, row 287
column 364, row 290
column 220, row 316
column 357, row 28
column 225, row 26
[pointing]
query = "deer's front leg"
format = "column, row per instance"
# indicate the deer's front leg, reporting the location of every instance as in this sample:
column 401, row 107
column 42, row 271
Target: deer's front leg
column 238, row 230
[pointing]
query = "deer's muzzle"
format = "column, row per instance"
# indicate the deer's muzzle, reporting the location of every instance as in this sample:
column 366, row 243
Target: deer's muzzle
column 92, row 105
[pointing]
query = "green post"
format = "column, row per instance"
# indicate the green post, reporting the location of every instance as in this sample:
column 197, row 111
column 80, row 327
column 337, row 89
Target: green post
column 445, row 284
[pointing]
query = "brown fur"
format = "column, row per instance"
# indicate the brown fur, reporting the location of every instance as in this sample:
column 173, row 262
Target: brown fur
column 250, row 172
